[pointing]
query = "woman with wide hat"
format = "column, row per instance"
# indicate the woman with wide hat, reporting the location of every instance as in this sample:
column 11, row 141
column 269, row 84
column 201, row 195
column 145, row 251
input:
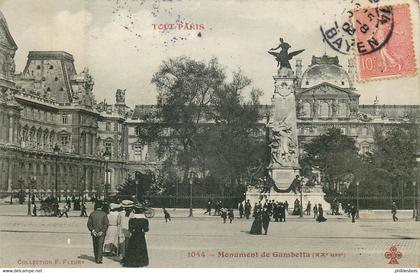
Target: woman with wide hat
column 136, row 254
column 126, row 213
column 112, row 234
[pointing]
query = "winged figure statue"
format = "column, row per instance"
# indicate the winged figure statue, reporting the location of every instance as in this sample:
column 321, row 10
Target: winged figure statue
column 283, row 57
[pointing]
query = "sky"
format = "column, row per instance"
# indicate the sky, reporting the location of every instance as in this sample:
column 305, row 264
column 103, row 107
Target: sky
column 117, row 41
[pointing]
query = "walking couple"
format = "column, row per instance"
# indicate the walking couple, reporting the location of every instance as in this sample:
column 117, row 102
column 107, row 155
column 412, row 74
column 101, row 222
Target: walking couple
column 120, row 231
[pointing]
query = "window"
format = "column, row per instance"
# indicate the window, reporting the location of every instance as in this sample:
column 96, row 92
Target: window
column 61, row 89
column 108, row 146
column 51, row 67
column 64, row 140
column 56, row 79
column 38, row 67
column 137, row 149
column 307, row 82
column 64, row 119
column 108, row 126
column 365, row 148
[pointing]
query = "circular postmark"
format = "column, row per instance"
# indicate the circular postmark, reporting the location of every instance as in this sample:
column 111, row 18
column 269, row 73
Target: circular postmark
column 363, row 31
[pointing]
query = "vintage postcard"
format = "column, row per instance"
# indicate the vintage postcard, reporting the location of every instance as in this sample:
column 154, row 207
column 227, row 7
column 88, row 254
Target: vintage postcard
column 209, row 134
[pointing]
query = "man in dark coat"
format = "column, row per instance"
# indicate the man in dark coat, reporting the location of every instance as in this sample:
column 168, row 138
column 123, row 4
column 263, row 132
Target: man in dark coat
column 209, row 204
column 308, row 208
column 98, row 225
column 286, row 206
column 353, row 212
column 241, row 210
column 282, row 212
column 247, row 209
column 83, row 210
column 265, row 220
column 231, row 215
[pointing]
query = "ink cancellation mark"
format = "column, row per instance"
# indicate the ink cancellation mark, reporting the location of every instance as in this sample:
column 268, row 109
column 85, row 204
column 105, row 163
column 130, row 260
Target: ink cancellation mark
column 365, row 30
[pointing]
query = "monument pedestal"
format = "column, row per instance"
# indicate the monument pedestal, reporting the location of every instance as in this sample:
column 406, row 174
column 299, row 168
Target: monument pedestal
column 313, row 194
column 283, row 177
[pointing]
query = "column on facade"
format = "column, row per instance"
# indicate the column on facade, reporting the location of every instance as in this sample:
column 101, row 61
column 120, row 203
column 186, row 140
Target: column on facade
column 93, row 144
column 1, row 126
column 9, row 171
column 87, row 143
column 16, row 131
column 10, row 129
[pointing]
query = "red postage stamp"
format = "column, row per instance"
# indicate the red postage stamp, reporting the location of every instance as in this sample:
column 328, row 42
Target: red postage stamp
column 385, row 42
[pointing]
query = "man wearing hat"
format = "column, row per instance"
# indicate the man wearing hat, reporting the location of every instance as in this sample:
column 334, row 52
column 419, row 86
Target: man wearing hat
column 98, row 225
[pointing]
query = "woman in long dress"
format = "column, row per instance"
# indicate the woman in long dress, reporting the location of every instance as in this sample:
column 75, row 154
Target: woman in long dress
column 112, row 234
column 125, row 234
column 256, row 228
column 321, row 217
column 136, row 254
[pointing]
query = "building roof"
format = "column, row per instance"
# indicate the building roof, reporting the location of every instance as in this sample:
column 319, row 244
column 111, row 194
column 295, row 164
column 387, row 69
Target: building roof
column 6, row 29
column 325, row 69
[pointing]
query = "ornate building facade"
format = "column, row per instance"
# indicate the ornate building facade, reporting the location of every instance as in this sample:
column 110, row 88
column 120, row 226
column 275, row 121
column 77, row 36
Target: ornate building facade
column 50, row 105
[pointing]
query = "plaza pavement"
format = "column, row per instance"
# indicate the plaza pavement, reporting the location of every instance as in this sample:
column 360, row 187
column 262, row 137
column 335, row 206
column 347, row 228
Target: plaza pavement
column 65, row 242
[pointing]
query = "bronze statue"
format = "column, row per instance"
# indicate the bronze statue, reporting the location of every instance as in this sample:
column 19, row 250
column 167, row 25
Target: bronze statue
column 283, row 57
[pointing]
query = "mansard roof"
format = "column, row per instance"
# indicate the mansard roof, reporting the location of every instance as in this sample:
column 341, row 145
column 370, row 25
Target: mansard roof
column 11, row 44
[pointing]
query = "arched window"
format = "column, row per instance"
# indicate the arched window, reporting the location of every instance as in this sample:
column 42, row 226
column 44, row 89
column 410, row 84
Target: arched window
column 342, row 109
column 306, row 109
column 323, row 109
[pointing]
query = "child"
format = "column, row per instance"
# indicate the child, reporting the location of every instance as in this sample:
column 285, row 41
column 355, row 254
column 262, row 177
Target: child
column 167, row 215
column 231, row 215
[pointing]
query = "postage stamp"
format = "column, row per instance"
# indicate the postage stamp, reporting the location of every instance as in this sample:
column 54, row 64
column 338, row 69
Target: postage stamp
column 384, row 44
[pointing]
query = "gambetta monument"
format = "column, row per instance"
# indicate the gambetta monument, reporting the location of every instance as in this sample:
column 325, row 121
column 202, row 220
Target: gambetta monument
column 283, row 168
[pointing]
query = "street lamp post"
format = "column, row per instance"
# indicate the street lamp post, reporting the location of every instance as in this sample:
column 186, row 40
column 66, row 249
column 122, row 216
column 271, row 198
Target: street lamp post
column 31, row 182
column 357, row 199
column 137, row 186
column 414, row 199
column 191, row 198
column 56, row 150
column 301, row 199
column 107, row 157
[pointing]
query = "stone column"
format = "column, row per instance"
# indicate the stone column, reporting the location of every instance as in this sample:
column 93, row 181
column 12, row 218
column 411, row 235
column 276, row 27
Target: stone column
column 9, row 175
column 93, row 144
column 87, row 136
column 11, row 129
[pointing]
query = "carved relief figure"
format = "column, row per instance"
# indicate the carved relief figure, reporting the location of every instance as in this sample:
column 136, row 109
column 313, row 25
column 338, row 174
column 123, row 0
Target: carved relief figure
column 282, row 145
column 3, row 64
column 120, row 96
column 315, row 109
column 11, row 64
column 334, row 107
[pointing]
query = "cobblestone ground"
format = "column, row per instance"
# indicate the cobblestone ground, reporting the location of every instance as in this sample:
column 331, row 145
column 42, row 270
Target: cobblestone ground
column 335, row 243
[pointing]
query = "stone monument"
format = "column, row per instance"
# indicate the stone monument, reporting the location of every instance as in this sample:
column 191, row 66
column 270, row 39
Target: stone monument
column 284, row 167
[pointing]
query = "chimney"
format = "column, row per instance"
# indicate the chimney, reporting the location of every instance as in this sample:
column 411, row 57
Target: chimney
column 298, row 68
column 351, row 70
